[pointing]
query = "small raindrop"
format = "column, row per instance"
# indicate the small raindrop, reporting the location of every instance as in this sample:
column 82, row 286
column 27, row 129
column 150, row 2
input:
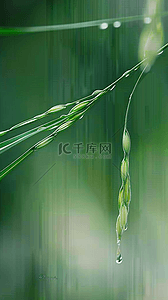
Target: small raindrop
column 117, row 24
column 103, row 26
column 147, row 20
column 119, row 256
column 119, row 259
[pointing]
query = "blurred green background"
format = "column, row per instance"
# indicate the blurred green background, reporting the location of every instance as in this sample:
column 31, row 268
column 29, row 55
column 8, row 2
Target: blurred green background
column 57, row 212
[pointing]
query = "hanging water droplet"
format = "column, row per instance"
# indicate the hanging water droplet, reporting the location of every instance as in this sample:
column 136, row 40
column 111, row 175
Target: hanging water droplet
column 119, row 259
column 119, row 256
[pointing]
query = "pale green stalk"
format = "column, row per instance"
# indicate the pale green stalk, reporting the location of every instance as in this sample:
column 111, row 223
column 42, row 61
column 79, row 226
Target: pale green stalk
column 36, row 29
column 130, row 97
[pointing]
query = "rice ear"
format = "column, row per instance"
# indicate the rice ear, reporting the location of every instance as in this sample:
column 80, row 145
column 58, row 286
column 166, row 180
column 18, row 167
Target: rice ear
column 120, row 197
column 124, row 168
column 127, row 191
column 126, row 142
column 123, row 216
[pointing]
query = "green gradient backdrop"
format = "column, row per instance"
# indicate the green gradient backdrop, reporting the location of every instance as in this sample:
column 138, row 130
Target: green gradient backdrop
column 58, row 213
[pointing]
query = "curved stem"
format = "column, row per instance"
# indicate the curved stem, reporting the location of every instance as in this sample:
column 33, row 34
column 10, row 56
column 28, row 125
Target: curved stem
column 130, row 97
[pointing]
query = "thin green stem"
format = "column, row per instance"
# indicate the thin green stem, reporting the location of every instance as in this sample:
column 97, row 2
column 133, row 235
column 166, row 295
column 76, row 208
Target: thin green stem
column 10, row 167
column 130, row 97
column 24, row 30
